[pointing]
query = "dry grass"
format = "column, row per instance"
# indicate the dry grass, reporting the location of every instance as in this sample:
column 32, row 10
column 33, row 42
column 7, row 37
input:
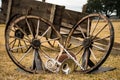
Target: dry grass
column 8, row 69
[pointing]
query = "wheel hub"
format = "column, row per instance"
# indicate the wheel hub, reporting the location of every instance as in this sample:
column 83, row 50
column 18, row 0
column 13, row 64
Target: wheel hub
column 19, row 34
column 87, row 42
column 36, row 43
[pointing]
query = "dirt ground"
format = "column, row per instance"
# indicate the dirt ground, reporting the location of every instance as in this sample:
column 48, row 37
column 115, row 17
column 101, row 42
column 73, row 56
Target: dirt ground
column 8, row 70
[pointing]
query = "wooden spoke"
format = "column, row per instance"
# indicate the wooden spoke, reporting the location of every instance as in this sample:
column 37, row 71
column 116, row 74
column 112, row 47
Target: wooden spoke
column 50, row 40
column 29, row 27
column 25, row 54
column 100, row 31
column 82, row 31
column 88, row 28
column 95, row 40
column 93, row 54
column 95, row 26
column 45, row 32
column 37, row 31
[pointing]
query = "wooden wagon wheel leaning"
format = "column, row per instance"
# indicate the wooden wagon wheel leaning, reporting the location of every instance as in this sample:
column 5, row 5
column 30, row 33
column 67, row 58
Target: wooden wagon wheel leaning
column 94, row 44
column 29, row 48
column 26, row 43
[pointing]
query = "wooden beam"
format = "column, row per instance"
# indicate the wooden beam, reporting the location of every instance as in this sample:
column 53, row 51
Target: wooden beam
column 43, row 0
column 52, row 14
column 9, row 10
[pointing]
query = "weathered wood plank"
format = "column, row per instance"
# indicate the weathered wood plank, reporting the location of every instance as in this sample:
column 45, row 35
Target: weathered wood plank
column 37, row 8
column 72, row 17
column 69, row 19
column 9, row 10
column 57, row 14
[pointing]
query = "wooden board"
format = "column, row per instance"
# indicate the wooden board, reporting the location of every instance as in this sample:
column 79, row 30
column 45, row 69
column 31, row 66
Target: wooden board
column 69, row 19
column 35, row 7
column 58, row 15
column 51, row 12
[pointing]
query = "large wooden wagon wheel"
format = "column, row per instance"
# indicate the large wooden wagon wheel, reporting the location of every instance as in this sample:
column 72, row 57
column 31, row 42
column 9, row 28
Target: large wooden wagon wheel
column 94, row 44
column 26, row 44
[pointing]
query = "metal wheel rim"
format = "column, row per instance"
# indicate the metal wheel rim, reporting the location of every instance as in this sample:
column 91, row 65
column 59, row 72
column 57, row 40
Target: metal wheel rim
column 36, row 51
column 110, row 44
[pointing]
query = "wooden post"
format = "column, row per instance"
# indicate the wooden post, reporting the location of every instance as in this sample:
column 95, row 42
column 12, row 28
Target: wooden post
column 53, row 8
column 43, row 0
column 8, row 10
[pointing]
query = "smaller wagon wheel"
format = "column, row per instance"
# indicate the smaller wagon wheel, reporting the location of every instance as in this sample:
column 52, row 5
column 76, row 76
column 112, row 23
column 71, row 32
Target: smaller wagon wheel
column 94, row 35
column 26, row 44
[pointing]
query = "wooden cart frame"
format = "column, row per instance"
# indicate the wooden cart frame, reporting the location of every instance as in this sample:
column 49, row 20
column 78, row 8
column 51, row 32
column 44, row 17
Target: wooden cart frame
column 34, row 41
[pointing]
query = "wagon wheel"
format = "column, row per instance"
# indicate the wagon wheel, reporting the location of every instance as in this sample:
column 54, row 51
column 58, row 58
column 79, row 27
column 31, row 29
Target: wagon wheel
column 95, row 37
column 26, row 43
